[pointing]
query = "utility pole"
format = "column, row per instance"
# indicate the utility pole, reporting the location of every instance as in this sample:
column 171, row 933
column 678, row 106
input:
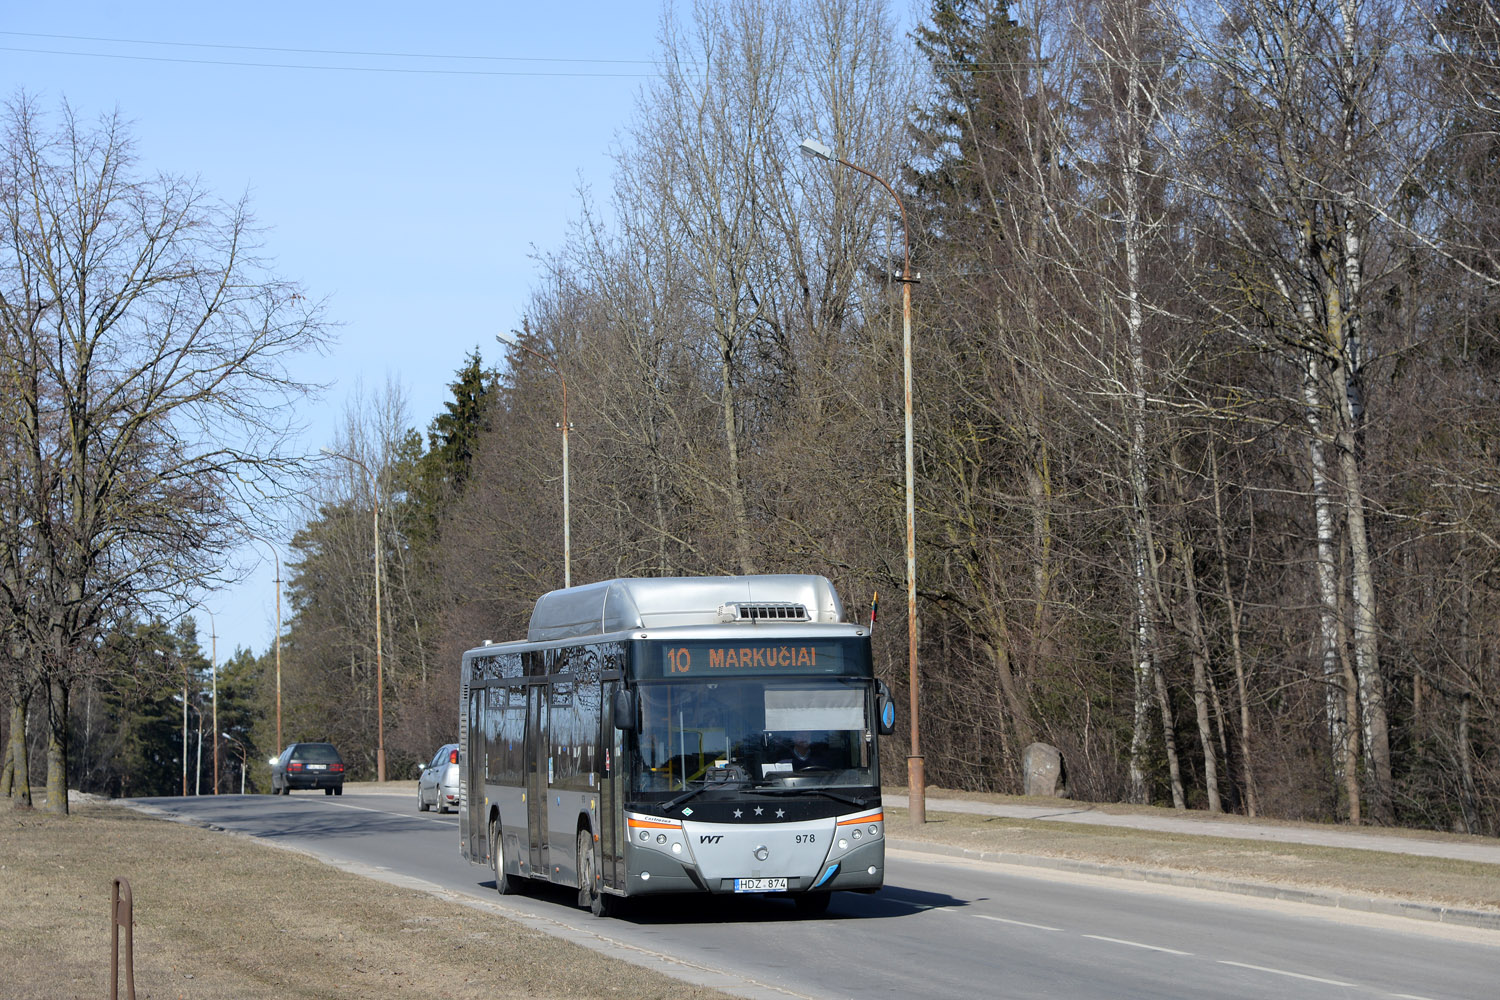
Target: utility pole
column 213, row 669
column 567, row 517
column 916, row 774
column 379, row 668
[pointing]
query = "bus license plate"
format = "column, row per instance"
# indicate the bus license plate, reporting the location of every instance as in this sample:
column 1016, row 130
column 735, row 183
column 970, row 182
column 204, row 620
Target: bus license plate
column 760, row 885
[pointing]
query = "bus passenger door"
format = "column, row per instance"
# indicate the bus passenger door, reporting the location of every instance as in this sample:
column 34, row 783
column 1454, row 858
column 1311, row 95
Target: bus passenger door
column 537, row 747
column 471, row 822
column 609, row 814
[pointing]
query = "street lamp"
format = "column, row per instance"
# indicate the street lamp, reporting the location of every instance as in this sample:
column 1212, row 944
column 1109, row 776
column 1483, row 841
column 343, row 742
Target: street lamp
column 186, row 704
column 275, row 555
column 184, row 724
column 567, row 517
column 916, row 776
column 213, row 669
column 244, row 751
column 379, row 668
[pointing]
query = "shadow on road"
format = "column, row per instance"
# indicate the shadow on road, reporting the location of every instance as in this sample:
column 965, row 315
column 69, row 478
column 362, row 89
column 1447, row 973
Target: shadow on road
column 889, row 903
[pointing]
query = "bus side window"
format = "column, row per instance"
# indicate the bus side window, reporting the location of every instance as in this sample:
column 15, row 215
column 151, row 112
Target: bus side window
column 564, row 736
column 494, row 714
column 513, row 735
column 586, row 699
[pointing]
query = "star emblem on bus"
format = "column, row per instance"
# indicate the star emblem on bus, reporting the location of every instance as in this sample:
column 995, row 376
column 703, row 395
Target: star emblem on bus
column 780, row 813
column 758, row 810
column 738, row 813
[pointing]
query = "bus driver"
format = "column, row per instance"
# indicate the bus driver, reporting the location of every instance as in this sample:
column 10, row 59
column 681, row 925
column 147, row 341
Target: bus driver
column 807, row 754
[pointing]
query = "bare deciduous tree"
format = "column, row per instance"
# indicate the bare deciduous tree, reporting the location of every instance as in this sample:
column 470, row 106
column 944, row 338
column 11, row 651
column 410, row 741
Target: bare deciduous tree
column 146, row 389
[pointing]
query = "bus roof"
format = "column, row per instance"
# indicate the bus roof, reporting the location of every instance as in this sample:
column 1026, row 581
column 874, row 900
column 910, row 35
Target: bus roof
column 665, row 602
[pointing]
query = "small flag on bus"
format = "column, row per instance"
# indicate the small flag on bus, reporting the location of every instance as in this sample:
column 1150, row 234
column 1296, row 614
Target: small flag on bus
column 874, row 600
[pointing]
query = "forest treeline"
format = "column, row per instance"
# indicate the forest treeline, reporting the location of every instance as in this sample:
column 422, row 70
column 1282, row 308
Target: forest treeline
column 1205, row 398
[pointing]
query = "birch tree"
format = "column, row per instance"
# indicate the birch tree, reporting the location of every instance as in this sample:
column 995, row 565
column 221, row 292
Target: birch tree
column 1303, row 92
column 1128, row 66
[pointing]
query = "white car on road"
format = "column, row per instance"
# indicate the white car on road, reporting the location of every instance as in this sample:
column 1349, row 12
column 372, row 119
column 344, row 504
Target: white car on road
column 437, row 787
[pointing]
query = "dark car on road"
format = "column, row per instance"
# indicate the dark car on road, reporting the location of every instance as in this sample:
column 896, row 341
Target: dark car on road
column 308, row 765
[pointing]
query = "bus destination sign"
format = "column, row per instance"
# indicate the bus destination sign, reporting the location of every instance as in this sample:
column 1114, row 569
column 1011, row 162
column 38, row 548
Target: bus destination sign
column 699, row 659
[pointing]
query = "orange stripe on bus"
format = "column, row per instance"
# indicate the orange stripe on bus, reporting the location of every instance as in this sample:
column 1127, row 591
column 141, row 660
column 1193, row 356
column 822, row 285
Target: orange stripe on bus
column 653, row 826
column 876, row 818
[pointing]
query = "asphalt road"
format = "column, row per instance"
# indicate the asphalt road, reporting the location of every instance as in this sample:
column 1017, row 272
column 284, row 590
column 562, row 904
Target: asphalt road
column 942, row 927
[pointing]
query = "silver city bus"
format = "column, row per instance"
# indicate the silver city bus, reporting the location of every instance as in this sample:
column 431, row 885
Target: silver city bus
column 708, row 734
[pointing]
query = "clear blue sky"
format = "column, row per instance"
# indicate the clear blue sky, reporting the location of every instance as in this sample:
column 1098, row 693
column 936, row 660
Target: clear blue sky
column 411, row 192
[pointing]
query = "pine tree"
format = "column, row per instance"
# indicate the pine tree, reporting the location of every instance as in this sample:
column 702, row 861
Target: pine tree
column 130, row 739
column 967, row 138
column 453, row 434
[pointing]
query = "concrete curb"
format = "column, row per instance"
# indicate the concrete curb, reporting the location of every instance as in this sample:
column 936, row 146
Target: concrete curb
column 1483, row 919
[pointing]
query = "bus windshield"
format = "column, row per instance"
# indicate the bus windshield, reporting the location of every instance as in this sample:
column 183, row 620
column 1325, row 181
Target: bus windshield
column 754, row 732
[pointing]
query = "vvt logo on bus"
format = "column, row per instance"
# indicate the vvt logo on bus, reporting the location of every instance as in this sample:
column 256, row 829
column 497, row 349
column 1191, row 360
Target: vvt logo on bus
column 710, row 838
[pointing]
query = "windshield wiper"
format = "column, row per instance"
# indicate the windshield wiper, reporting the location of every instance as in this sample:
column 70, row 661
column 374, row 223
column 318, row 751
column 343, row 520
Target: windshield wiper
column 806, row 790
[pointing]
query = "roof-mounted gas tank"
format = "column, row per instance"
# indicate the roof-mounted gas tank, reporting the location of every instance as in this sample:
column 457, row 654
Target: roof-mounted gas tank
column 664, row 602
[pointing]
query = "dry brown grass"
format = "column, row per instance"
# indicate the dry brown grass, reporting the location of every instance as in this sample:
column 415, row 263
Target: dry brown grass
column 1362, row 872
column 222, row 917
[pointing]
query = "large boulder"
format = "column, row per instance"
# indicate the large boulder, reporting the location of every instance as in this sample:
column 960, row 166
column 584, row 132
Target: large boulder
column 1043, row 767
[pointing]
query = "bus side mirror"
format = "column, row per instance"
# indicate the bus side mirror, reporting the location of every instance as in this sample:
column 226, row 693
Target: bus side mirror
column 625, row 711
column 886, row 708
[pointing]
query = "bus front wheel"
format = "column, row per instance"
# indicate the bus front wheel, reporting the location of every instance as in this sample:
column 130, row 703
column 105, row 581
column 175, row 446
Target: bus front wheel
column 505, row 883
column 590, row 893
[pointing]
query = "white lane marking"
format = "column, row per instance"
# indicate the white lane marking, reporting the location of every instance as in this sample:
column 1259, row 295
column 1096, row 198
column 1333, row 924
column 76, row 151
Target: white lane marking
column 1018, row 923
column 1293, row 975
column 1138, row 944
column 1409, row 996
column 384, row 812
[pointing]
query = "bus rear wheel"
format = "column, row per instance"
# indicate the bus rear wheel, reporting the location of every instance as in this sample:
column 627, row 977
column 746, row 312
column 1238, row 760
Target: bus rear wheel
column 505, row 884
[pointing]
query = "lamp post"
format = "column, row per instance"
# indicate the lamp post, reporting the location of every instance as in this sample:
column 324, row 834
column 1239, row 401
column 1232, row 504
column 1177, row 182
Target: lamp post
column 213, row 670
column 243, row 756
column 198, row 762
column 184, row 724
column 567, row 517
column 277, row 556
column 379, row 668
column 186, row 704
column 916, row 776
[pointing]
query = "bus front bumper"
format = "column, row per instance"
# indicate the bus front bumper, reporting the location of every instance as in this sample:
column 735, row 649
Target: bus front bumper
column 656, row 873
